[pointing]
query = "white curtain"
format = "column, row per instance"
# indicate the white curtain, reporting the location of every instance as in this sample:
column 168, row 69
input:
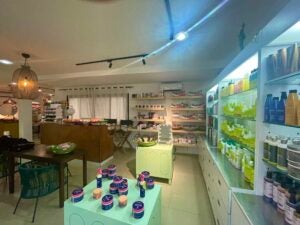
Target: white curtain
column 92, row 104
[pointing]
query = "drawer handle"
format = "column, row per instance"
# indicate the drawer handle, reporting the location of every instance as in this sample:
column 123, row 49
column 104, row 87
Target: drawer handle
column 219, row 203
column 209, row 160
column 219, row 182
column 209, row 174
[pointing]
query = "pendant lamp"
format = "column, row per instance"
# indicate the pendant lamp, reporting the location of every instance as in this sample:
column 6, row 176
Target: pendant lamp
column 25, row 82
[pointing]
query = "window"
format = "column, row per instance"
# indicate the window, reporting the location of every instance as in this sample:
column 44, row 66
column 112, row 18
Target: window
column 108, row 106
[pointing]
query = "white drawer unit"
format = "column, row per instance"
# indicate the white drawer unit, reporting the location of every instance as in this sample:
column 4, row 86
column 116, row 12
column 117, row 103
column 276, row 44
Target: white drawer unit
column 238, row 217
column 217, row 188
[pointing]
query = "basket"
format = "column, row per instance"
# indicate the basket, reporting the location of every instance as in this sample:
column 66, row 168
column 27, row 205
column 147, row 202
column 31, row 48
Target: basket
column 146, row 144
column 38, row 179
column 61, row 150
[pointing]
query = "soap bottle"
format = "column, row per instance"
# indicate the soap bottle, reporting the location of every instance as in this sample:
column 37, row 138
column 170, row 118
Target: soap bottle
column 273, row 110
column 290, row 207
column 281, row 108
column 291, row 108
column 276, row 184
column 266, row 147
column 268, row 187
column 267, row 108
column 298, row 113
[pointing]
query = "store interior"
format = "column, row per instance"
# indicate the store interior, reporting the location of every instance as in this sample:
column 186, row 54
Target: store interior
column 150, row 112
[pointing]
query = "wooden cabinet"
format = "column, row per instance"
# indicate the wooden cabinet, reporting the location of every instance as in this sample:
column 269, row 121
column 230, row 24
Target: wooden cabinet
column 11, row 126
column 157, row 159
column 96, row 141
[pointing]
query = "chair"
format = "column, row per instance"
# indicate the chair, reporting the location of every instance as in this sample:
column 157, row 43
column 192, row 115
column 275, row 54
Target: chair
column 37, row 180
column 125, row 133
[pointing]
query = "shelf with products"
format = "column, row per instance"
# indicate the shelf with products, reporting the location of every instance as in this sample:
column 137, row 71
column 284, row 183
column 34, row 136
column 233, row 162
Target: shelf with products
column 188, row 132
column 277, row 169
column 187, row 109
column 149, row 109
column 238, row 118
column 288, row 79
column 188, row 121
column 240, row 142
column 245, row 92
column 151, row 120
column 186, row 97
column 283, row 125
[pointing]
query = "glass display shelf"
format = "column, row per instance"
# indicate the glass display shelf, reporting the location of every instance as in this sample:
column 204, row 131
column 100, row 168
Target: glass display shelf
column 239, row 93
column 280, row 170
column 274, row 166
column 278, row 124
column 289, row 79
column 239, row 118
column 234, row 139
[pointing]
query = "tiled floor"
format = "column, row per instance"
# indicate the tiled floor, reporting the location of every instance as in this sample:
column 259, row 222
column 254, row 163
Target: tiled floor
column 187, row 180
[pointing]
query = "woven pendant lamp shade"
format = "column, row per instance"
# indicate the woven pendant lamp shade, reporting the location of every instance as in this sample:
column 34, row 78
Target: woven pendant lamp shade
column 25, row 82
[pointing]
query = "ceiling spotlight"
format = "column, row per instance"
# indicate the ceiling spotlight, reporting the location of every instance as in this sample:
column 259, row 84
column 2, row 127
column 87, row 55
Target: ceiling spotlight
column 144, row 61
column 6, row 62
column 110, row 64
column 181, row 36
column 40, row 90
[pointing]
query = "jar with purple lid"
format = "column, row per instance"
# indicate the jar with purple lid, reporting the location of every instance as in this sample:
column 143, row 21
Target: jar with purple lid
column 138, row 209
column 112, row 169
column 146, row 174
column 105, row 173
column 77, row 195
column 123, row 189
column 107, row 202
column 113, row 189
column 125, row 181
column 149, row 183
column 118, row 180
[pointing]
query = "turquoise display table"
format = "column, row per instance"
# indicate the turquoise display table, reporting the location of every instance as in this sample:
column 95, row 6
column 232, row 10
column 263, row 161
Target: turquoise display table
column 157, row 159
column 89, row 211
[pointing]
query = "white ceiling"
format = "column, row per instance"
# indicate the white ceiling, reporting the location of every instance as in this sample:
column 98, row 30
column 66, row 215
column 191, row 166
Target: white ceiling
column 58, row 34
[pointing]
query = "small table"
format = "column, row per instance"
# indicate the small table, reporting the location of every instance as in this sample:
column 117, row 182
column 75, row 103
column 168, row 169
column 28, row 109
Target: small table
column 157, row 159
column 40, row 153
column 89, row 211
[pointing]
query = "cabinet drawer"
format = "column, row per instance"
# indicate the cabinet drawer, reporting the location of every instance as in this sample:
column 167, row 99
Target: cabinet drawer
column 222, row 187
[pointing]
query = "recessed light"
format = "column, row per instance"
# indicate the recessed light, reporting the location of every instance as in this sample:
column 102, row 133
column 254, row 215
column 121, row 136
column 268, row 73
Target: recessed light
column 6, row 62
column 181, row 36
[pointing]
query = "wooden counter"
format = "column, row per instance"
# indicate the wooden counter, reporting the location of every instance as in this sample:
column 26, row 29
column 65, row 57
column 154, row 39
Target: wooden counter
column 94, row 140
column 11, row 126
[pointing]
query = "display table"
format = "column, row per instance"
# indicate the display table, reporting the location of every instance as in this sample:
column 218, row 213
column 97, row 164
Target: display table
column 89, row 211
column 157, row 159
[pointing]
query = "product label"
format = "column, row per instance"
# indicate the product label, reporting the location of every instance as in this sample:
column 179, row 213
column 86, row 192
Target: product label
column 281, row 200
column 275, row 193
column 289, row 214
column 268, row 189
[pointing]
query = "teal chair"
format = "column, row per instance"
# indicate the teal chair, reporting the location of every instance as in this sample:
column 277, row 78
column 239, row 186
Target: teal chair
column 37, row 180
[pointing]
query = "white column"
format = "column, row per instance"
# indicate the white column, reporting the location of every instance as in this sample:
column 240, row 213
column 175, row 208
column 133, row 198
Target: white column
column 25, row 118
